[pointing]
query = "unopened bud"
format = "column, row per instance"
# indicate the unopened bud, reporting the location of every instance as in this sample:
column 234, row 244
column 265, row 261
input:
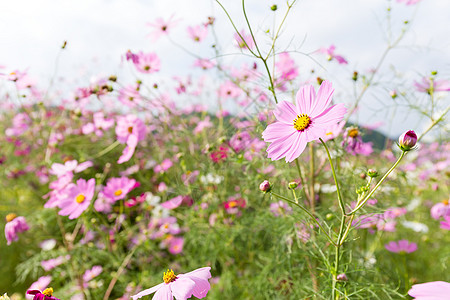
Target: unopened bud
column 112, row 78
column 292, row 185
column 265, row 186
column 342, row 277
column 274, row 7
column 372, row 173
column 319, row 80
column 355, row 76
column 64, row 45
column 393, row 94
column 433, row 73
column 407, row 140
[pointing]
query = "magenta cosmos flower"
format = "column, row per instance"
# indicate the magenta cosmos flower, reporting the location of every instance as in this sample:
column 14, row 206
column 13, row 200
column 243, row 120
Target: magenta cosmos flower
column 78, row 198
column 402, row 246
column 47, row 294
column 181, row 286
column 435, row 290
column 14, row 225
column 306, row 122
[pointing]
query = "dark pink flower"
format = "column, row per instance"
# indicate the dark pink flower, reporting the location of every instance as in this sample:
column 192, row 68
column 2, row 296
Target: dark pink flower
column 181, row 286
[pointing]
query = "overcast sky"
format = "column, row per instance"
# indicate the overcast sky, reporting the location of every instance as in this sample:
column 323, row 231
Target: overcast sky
column 99, row 32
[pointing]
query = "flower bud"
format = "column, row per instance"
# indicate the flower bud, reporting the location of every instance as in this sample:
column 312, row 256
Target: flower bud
column 407, row 140
column 274, row 7
column 355, row 76
column 342, row 277
column 393, row 94
column 292, row 185
column 265, row 186
column 372, row 173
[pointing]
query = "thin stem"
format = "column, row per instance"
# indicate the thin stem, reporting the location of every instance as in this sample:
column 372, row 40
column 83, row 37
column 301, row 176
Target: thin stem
column 337, row 260
column 361, row 204
column 118, row 273
column 312, row 198
column 309, row 214
column 341, row 203
column 107, row 149
column 434, row 123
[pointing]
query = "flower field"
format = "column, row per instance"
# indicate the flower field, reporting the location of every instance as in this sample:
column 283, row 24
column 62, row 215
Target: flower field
column 250, row 178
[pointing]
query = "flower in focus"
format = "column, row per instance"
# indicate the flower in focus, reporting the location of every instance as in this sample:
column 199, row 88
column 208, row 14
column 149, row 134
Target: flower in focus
column 78, row 198
column 402, row 246
column 39, row 285
column 435, row 290
column 407, row 140
column 265, row 186
column 181, row 286
column 306, row 122
column 14, row 225
column 47, row 294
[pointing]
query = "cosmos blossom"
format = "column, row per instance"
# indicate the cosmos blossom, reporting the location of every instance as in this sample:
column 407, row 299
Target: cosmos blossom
column 181, row 286
column 14, row 226
column 161, row 27
column 435, row 290
column 331, row 55
column 307, row 121
column 77, row 199
column 402, row 246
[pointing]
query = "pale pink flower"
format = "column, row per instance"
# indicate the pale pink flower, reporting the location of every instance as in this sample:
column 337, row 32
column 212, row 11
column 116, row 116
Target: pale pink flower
column 165, row 165
column 92, row 273
column 118, row 188
column 197, row 33
column 435, row 290
column 161, row 27
column 172, row 203
column 78, row 198
column 130, row 125
column 446, row 224
column 147, row 62
column 428, row 85
column 20, row 124
column 181, row 286
column 286, row 67
column 330, row 54
column 306, row 122
column 204, row 63
column 176, row 245
column 408, row 2
column 50, row 264
column 402, row 246
column 229, row 90
column 130, row 95
column 280, row 208
column 246, row 42
column 333, row 131
column 206, row 123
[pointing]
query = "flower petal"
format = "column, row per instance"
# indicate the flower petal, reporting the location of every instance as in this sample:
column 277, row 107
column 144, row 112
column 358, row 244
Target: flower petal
column 297, row 148
column 323, row 99
column 280, row 147
column 285, row 112
column 182, row 288
column 204, row 273
column 330, row 116
column 305, row 99
column 277, row 130
column 150, row 291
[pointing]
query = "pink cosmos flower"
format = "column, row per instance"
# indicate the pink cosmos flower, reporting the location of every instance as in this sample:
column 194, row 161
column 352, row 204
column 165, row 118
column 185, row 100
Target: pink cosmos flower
column 333, row 131
column 435, row 290
column 408, row 2
column 402, row 246
column 306, row 122
column 50, row 264
column 173, row 203
column 41, row 284
column 280, row 208
column 446, row 224
column 161, row 27
column 130, row 125
column 206, row 123
column 165, row 165
column 181, row 286
column 197, row 33
column 147, row 62
column 330, row 54
column 229, row 90
column 14, row 226
column 21, row 122
column 78, row 198
column 47, row 294
column 92, row 273
column 286, row 67
column 246, row 42
column 428, row 85
column 204, row 63
column 176, row 245
column 129, row 95
column 118, row 188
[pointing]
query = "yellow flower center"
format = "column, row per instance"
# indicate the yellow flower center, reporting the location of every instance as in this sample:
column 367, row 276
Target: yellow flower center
column 80, row 198
column 48, row 292
column 302, row 122
column 169, row 276
column 10, row 217
column 354, row 132
column 118, row 192
column 444, row 201
column 329, row 133
column 232, row 204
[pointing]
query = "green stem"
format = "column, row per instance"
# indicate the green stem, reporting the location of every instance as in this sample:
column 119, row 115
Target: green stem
column 107, row 149
column 341, row 203
column 308, row 213
column 312, row 198
column 335, row 294
column 361, row 204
